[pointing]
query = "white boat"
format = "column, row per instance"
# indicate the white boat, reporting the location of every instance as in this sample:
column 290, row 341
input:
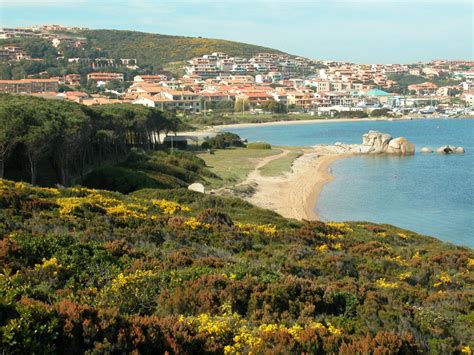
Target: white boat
column 428, row 110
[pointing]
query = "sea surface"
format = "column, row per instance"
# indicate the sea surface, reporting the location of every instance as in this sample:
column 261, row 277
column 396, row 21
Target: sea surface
column 431, row 194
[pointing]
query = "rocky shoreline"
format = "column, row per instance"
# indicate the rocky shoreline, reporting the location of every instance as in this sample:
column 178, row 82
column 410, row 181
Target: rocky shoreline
column 375, row 142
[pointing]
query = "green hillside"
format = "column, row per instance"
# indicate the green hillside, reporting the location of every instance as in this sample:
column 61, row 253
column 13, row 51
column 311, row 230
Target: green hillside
column 156, row 271
column 157, row 49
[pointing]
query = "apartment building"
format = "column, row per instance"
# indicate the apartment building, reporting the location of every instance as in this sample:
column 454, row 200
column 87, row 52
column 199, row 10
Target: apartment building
column 72, row 79
column 29, row 86
column 105, row 77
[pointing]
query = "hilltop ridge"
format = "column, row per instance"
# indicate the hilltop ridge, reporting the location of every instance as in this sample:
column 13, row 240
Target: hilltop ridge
column 158, row 49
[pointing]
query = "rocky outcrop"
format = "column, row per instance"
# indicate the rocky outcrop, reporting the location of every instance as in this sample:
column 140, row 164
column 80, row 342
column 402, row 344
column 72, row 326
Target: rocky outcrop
column 198, row 187
column 449, row 149
column 375, row 142
column 426, row 150
column 400, row 146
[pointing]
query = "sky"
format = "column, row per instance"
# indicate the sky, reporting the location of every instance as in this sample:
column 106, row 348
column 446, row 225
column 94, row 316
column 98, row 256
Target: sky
column 360, row 31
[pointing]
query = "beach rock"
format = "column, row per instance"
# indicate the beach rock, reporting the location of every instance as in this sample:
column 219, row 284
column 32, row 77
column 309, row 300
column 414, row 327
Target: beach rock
column 196, row 187
column 426, row 150
column 449, row 149
column 444, row 150
column 407, row 148
column 374, row 142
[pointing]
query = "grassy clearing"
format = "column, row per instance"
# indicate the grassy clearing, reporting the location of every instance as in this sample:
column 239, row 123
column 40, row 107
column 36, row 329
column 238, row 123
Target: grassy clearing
column 233, row 165
column 280, row 166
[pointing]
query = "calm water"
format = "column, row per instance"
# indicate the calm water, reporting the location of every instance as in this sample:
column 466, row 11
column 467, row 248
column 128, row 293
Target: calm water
column 431, row 194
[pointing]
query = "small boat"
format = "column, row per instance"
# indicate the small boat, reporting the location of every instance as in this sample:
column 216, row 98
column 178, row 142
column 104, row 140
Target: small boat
column 428, row 110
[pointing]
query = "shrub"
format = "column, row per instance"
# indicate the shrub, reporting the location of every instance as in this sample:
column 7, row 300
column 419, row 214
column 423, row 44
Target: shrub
column 126, row 181
column 259, row 145
column 224, row 140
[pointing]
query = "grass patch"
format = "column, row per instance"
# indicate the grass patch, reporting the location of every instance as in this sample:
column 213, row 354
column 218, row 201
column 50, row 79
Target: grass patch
column 280, row 166
column 259, row 145
column 233, row 165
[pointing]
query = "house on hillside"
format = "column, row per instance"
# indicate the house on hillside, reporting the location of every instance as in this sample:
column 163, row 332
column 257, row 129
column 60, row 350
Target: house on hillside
column 426, row 88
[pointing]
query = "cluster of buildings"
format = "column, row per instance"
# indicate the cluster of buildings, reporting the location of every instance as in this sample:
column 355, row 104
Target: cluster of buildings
column 331, row 86
column 297, row 83
column 267, row 67
column 49, row 32
column 13, row 53
column 45, row 31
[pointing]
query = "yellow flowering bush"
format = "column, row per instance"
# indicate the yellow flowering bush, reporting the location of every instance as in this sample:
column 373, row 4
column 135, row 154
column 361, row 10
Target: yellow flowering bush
column 6, row 184
column 218, row 326
column 322, row 248
column 69, row 204
column 47, row 270
column 132, row 292
column 170, row 207
column 444, row 279
column 341, row 226
column 123, row 282
column 334, row 236
column 268, row 229
column 124, row 212
column 397, row 260
column 48, row 264
column 193, row 223
column 404, row 275
column 466, row 350
column 243, row 337
column 337, row 246
column 382, row 283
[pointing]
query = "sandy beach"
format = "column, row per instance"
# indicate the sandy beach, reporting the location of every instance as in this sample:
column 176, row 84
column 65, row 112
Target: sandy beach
column 294, row 194
column 295, row 122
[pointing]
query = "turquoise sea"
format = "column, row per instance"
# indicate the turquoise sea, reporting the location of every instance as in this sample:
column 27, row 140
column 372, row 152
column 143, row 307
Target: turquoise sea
column 430, row 194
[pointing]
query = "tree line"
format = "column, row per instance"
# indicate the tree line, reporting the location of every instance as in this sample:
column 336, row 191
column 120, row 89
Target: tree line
column 68, row 137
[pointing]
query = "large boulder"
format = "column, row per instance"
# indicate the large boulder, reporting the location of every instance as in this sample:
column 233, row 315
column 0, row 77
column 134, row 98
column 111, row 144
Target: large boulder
column 375, row 142
column 449, row 149
column 196, row 187
column 426, row 150
column 407, row 148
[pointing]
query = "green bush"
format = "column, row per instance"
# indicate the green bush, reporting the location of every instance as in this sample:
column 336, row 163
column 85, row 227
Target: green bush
column 224, row 140
column 125, row 181
column 379, row 112
column 259, row 145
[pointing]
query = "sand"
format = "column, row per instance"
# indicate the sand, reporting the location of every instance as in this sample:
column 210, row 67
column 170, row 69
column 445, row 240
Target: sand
column 294, row 194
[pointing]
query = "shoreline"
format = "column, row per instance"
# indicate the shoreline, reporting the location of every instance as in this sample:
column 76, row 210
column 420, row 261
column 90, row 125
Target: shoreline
column 213, row 130
column 295, row 194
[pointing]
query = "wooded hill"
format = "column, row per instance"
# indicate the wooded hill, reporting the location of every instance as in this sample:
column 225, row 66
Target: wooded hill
column 68, row 139
column 158, row 50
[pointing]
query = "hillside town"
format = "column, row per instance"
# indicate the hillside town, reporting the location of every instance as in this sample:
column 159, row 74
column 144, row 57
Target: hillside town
column 263, row 83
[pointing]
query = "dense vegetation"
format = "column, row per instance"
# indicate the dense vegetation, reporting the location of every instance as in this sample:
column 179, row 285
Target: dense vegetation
column 172, row 270
column 153, row 170
column 68, row 139
column 223, row 140
column 404, row 80
column 153, row 52
column 157, row 50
